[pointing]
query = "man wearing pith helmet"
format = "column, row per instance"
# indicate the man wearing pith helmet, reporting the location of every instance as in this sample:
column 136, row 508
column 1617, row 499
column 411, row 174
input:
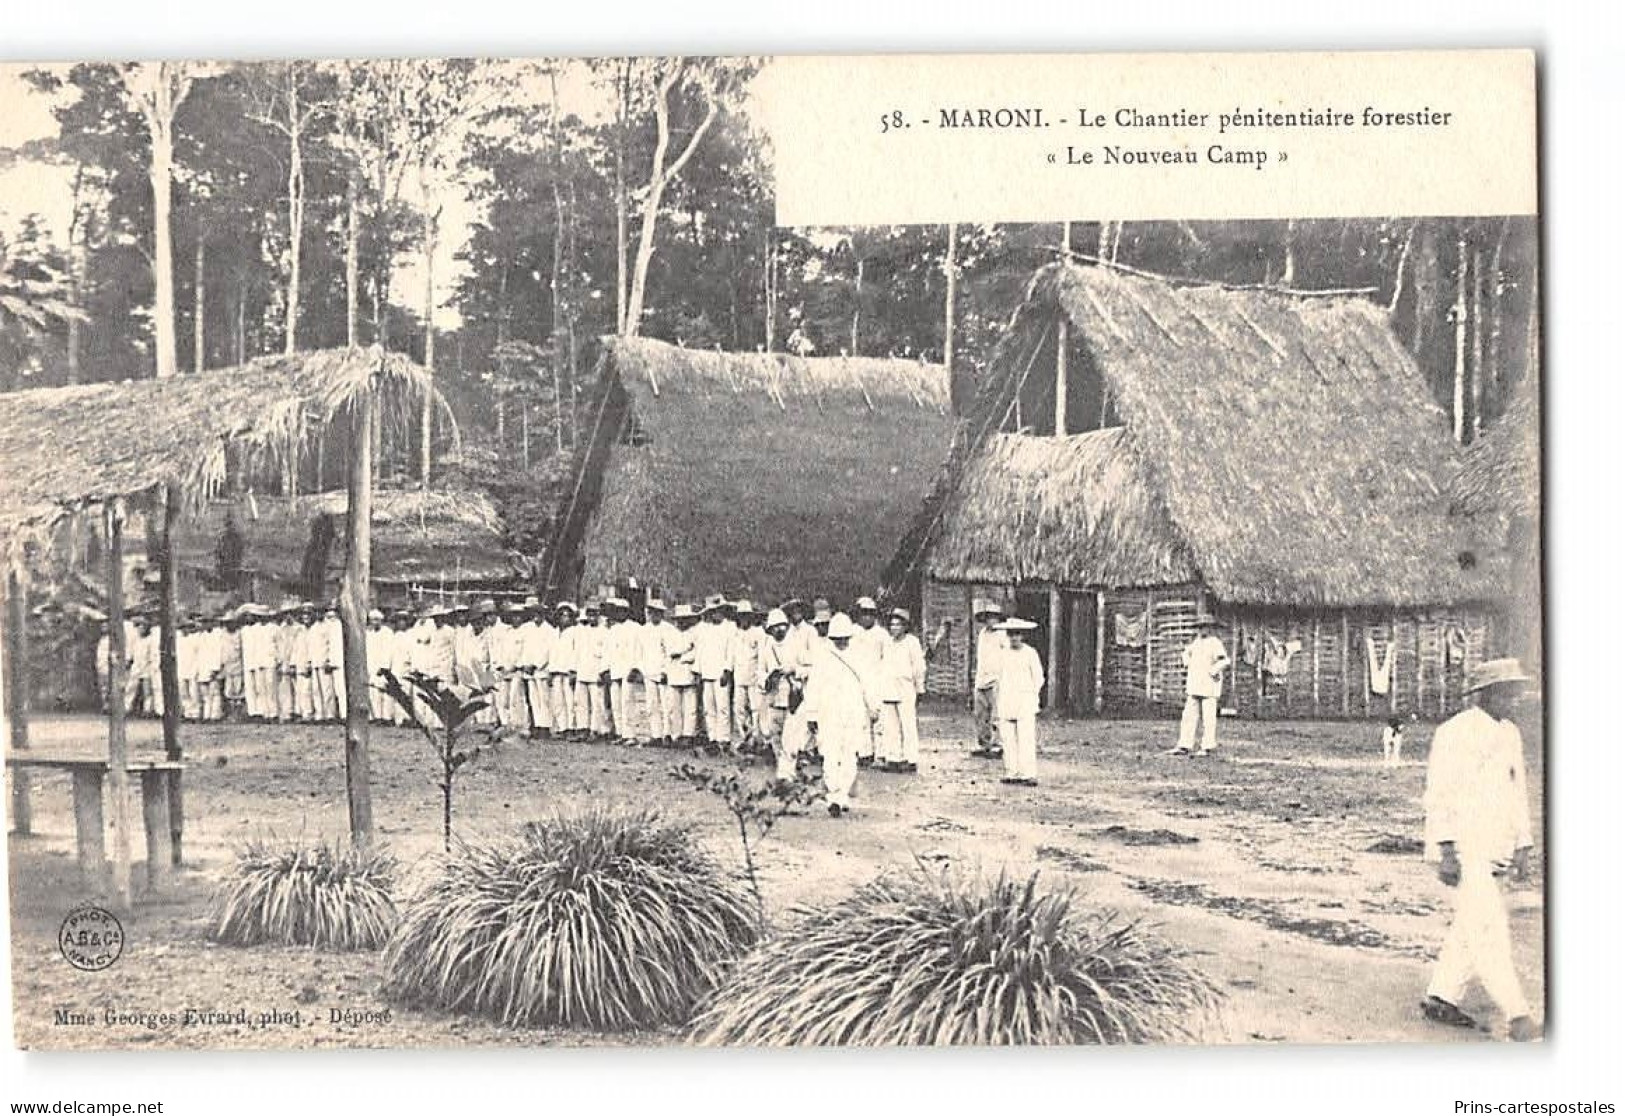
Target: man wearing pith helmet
column 841, row 704
column 902, row 681
column 1477, row 825
column 776, row 668
column 869, row 648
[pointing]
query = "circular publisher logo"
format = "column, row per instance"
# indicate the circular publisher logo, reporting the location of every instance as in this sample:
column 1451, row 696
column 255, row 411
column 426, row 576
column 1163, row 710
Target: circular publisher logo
column 91, row 939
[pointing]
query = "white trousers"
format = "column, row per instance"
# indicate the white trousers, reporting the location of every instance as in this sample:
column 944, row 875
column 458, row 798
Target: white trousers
column 839, row 746
column 655, row 704
column 718, row 710
column 1206, row 710
column 770, row 731
column 622, row 706
column 1020, row 739
column 378, row 700
column 539, row 696
column 595, row 711
column 900, row 730
column 683, row 711
column 744, row 710
column 1479, row 944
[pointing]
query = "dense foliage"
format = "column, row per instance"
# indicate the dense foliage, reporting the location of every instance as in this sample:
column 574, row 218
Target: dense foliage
column 329, row 896
column 918, row 960
column 603, row 921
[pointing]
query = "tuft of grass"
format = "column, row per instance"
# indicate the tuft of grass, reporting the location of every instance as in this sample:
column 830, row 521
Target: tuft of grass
column 330, row 896
column 920, row 960
column 609, row 921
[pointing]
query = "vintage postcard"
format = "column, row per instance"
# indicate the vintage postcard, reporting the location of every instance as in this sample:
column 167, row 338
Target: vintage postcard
column 985, row 550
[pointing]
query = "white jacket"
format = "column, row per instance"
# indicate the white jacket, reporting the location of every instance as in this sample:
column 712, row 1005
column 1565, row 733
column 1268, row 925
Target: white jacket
column 1477, row 794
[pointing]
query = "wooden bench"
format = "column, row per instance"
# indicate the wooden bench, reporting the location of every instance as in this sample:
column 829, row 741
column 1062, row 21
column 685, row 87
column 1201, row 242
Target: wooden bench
column 89, row 820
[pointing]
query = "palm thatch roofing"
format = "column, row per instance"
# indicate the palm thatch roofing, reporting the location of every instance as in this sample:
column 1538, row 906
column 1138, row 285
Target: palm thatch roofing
column 1073, row 510
column 1290, row 439
column 1500, row 472
column 68, row 448
column 762, row 472
column 418, row 536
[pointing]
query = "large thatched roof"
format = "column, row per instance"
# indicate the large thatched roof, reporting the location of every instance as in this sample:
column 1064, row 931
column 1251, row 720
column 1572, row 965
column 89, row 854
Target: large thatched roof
column 69, row 447
column 1500, row 472
column 763, row 473
column 420, row 537
column 1075, row 510
column 1291, row 439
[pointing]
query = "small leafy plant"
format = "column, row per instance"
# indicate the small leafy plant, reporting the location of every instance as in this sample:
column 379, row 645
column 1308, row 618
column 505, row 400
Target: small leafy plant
column 448, row 713
column 755, row 805
column 330, row 896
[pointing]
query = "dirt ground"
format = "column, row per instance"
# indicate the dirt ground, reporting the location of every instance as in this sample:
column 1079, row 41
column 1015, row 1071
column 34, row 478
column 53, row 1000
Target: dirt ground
column 1287, row 863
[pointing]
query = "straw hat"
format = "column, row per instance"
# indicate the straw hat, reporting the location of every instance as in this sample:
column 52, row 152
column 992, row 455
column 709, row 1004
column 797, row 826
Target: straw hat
column 985, row 607
column 617, row 602
column 1496, row 672
column 1017, row 624
column 743, row 607
column 823, row 615
column 841, row 626
column 793, row 602
column 566, row 606
column 716, row 603
column 865, row 604
column 777, row 619
column 684, row 611
column 374, row 616
column 654, row 604
column 900, row 614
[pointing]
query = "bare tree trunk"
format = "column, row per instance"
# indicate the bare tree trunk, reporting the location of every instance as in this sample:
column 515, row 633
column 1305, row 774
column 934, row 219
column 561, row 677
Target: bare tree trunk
column 1399, row 268
column 857, row 305
column 950, row 269
column 661, row 176
column 352, row 260
column 1458, row 410
column 241, row 330
column 1103, row 247
column 770, row 292
column 1493, row 348
column 199, row 302
column 296, row 214
column 163, row 260
column 623, row 110
column 427, row 418
column 1476, row 365
column 77, row 234
column 1289, row 260
column 353, row 604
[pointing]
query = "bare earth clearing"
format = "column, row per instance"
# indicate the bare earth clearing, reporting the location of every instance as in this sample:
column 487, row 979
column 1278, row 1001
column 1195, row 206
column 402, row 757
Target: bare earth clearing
column 1261, row 860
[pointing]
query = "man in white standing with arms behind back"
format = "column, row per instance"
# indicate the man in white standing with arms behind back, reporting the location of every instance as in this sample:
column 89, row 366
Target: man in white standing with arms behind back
column 1477, row 825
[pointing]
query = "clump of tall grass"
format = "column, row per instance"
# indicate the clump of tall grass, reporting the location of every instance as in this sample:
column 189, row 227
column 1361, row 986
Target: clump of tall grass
column 609, row 921
column 329, row 895
column 921, row 960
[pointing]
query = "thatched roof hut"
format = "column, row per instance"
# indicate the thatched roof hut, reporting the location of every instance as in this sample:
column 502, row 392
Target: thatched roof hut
column 450, row 537
column 1072, row 510
column 70, row 447
column 1291, row 440
column 1500, row 472
column 756, row 472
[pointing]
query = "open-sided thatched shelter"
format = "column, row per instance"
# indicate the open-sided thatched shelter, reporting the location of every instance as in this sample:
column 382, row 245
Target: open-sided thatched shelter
column 169, row 445
column 436, row 540
column 1273, row 458
column 755, row 473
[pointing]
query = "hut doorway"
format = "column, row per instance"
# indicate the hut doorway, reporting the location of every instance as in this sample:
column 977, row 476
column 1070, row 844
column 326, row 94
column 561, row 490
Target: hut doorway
column 1081, row 618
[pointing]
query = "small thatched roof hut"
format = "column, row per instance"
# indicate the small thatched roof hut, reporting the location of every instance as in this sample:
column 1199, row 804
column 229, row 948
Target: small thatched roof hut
column 427, row 538
column 754, row 472
column 68, row 448
column 1500, row 472
column 1276, row 456
column 1072, row 510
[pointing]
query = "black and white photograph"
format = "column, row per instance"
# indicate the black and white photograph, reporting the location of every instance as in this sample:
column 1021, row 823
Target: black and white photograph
column 475, row 576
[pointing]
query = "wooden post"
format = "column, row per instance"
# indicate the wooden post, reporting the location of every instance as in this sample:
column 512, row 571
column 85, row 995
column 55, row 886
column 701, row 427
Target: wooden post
column 155, row 821
column 1416, row 623
column 353, row 596
column 1258, row 664
column 1366, row 665
column 1150, row 648
column 1100, row 651
column 118, row 757
column 1444, row 666
column 169, row 681
column 16, row 684
column 1344, row 655
column 1055, row 673
column 1314, row 665
column 950, row 269
column 1235, row 659
column 89, row 824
